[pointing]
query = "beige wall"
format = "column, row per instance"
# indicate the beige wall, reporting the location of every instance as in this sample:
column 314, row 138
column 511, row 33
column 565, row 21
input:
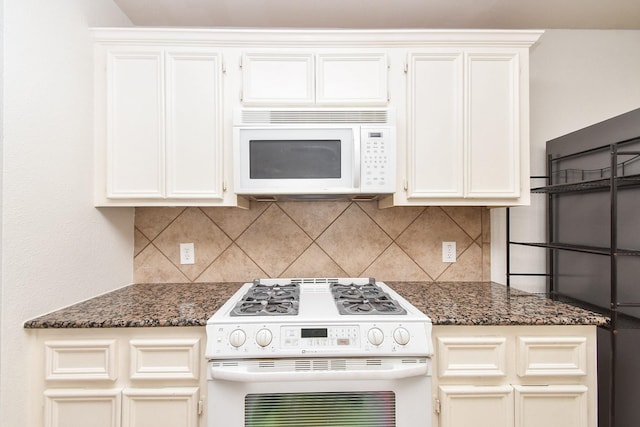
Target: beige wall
column 311, row 239
column 56, row 247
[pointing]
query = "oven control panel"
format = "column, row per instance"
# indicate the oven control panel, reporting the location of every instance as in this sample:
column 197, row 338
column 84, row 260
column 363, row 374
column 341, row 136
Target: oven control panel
column 256, row 340
column 311, row 337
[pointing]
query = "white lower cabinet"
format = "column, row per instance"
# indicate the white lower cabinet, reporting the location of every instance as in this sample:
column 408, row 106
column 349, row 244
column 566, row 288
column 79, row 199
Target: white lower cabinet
column 167, row 407
column 551, row 405
column 121, row 377
column 82, row 407
column 515, row 376
column 478, row 406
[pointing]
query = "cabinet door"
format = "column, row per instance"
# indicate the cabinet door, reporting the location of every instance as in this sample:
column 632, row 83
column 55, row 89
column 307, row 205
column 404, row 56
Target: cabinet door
column 551, row 406
column 163, row 407
column 135, row 123
column 492, row 146
column 351, row 79
column 464, row 406
column 282, row 77
column 194, row 132
column 82, row 407
column 435, row 121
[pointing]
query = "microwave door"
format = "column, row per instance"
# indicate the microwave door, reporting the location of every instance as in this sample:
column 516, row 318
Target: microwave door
column 297, row 161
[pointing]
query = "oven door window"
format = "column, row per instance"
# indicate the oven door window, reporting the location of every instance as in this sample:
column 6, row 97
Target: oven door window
column 331, row 409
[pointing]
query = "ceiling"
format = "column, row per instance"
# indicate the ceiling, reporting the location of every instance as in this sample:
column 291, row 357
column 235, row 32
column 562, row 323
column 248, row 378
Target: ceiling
column 496, row 14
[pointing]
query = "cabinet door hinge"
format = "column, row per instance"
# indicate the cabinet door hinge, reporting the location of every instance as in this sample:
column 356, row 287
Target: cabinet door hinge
column 437, row 407
column 405, row 184
column 224, row 185
column 406, row 67
column 200, row 406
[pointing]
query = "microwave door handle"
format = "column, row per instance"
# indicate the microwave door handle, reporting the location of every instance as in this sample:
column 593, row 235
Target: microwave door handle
column 231, row 374
column 356, row 158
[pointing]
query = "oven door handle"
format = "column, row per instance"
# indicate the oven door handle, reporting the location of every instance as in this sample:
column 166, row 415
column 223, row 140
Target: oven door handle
column 243, row 375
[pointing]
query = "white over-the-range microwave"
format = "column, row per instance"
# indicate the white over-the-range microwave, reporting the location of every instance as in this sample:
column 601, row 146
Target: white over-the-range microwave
column 314, row 153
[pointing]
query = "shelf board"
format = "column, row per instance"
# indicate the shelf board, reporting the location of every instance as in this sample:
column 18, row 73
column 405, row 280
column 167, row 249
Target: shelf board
column 597, row 250
column 590, row 185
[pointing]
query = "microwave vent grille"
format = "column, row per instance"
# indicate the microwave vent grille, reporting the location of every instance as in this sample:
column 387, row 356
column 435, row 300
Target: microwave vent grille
column 324, row 116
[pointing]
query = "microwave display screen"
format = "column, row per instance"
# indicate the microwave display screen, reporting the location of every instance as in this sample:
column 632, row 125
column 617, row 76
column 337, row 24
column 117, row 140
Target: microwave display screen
column 295, row 159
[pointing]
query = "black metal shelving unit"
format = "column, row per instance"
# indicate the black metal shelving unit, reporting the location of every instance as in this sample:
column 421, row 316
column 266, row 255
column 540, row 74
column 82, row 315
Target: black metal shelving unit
column 574, row 175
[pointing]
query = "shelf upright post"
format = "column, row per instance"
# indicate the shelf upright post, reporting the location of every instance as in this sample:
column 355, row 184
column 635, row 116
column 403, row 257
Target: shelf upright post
column 508, row 248
column 550, row 252
column 613, row 247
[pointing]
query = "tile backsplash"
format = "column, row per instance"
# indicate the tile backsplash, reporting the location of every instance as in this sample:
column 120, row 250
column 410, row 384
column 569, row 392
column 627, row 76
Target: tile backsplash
column 311, row 239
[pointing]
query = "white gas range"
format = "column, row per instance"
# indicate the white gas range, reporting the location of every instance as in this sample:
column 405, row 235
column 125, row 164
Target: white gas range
column 279, row 346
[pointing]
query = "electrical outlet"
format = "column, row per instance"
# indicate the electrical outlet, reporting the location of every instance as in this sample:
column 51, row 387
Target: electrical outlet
column 448, row 251
column 187, row 253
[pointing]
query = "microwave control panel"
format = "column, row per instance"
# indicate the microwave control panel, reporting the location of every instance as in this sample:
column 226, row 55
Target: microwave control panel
column 377, row 153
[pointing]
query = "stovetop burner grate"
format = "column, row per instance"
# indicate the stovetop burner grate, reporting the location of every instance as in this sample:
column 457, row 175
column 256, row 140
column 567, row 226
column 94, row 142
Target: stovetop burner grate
column 364, row 299
column 269, row 300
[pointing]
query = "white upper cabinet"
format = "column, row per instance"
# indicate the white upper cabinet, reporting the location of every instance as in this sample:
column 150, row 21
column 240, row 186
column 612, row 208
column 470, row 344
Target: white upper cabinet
column 159, row 126
column 164, row 104
column 467, row 127
column 278, row 77
column 435, row 114
column 135, row 123
column 314, row 78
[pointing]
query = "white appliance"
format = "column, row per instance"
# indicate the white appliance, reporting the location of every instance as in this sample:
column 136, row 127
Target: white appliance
column 318, row 352
column 314, row 152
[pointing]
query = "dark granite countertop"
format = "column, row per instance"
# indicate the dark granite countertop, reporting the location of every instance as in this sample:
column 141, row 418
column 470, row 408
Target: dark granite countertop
column 191, row 304
column 482, row 303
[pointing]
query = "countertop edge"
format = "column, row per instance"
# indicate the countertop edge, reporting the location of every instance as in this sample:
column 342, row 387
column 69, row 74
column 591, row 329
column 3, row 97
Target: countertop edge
column 446, row 303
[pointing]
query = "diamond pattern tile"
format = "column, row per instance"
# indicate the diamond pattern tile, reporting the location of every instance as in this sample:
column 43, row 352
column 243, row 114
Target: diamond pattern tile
column 422, row 240
column 468, row 219
column 151, row 266
column 467, row 267
column 139, row 242
column 232, row 266
column 314, row 221
column 314, row 262
column 151, row 221
column 394, row 264
column 311, row 239
column 394, row 221
column 234, row 221
column 273, row 241
column 193, row 226
column 354, row 240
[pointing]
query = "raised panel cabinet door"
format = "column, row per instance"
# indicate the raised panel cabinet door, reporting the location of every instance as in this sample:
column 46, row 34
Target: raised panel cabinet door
column 135, row 123
column 492, row 140
column 351, row 78
column 434, row 125
column 551, row 406
column 477, row 406
column 277, row 78
column 194, row 132
column 162, row 407
column 82, row 407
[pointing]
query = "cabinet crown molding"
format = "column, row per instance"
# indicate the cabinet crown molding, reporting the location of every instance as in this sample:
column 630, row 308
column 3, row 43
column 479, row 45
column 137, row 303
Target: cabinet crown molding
column 320, row 37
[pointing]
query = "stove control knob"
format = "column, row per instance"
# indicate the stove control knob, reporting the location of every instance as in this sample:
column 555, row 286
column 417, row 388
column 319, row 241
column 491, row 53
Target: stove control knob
column 401, row 336
column 376, row 336
column 237, row 338
column 264, row 337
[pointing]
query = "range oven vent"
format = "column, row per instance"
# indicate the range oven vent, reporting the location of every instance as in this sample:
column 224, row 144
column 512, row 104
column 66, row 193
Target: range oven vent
column 256, row 116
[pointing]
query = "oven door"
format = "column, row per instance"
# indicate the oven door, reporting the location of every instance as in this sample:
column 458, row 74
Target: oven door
column 360, row 392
